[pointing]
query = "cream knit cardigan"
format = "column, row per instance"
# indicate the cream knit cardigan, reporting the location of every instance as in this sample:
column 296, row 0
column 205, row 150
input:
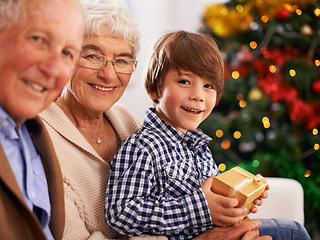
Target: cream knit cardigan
column 85, row 173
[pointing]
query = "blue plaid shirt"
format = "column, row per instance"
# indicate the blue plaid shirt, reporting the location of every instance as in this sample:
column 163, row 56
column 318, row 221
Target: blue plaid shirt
column 155, row 182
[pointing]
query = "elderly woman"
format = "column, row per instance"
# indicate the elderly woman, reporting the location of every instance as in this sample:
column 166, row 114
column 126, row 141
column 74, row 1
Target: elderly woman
column 85, row 130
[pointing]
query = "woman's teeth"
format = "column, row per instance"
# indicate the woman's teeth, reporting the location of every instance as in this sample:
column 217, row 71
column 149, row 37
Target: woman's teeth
column 100, row 88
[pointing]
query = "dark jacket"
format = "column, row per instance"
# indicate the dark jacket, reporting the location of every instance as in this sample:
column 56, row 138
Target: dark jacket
column 17, row 221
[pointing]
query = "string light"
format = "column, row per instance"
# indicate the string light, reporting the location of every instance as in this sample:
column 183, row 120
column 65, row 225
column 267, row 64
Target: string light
column 237, row 134
column 317, row 62
column 225, row 144
column 264, row 19
column 235, row 75
column 224, row 11
column 292, row 72
column 298, row 12
column 316, row 146
column 222, row 167
column 219, row 133
column 272, row 68
column 239, row 8
column 289, row 7
column 243, row 103
column 317, row 12
column 255, row 163
column 307, row 173
column 253, row 45
column 266, row 122
column 240, row 96
column 315, row 131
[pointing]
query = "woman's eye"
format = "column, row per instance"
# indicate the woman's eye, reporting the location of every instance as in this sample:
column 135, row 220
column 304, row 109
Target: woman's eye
column 121, row 61
column 90, row 56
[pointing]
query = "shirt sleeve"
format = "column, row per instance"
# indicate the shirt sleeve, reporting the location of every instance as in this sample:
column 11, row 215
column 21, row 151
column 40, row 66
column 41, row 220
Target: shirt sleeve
column 134, row 204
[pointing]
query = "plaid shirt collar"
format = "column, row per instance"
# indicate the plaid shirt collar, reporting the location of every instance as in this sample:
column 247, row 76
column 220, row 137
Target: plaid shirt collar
column 192, row 138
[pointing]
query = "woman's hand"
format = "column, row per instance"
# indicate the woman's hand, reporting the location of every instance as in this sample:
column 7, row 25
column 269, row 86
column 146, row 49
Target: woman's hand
column 223, row 209
column 244, row 230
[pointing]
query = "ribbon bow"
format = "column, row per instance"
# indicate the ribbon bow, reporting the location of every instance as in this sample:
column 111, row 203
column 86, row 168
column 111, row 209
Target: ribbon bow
column 250, row 178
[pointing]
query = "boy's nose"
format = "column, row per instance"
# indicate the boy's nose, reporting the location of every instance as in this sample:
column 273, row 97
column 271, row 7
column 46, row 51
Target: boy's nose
column 197, row 95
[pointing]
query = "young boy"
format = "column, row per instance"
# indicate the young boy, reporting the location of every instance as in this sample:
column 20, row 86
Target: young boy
column 157, row 180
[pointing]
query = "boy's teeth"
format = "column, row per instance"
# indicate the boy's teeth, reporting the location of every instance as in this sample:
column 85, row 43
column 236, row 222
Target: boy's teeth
column 192, row 110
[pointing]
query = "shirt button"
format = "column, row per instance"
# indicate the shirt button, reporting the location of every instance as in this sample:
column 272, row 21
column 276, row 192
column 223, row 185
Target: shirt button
column 5, row 123
column 32, row 195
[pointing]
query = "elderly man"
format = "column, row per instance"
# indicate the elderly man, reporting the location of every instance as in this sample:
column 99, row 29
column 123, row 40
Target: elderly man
column 39, row 41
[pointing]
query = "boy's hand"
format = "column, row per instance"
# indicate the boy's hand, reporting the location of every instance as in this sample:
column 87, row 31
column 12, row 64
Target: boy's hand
column 223, row 209
column 259, row 201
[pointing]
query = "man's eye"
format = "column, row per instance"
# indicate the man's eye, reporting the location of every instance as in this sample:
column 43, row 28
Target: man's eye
column 67, row 53
column 36, row 38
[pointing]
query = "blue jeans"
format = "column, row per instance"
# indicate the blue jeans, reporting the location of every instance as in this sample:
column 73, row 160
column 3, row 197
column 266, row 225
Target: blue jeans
column 283, row 229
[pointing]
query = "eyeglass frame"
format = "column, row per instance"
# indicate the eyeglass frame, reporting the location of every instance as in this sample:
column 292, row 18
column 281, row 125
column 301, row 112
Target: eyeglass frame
column 105, row 61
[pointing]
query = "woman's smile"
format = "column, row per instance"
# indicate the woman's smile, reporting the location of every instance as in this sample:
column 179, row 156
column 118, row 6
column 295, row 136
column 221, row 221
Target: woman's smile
column 107, row 89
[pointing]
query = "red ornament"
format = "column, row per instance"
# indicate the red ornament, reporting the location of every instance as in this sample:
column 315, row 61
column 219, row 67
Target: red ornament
column 316, row 86
column 283, row 14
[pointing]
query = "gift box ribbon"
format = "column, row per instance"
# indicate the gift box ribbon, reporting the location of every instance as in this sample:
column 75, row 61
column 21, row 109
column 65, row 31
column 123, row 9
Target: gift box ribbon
column 249, row 179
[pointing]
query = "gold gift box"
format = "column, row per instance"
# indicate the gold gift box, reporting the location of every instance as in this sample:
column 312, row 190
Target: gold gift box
column 241, row 184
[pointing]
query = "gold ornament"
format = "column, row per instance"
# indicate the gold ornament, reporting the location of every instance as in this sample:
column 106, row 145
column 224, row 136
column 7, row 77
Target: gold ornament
column 269, row 8
column 225, row 21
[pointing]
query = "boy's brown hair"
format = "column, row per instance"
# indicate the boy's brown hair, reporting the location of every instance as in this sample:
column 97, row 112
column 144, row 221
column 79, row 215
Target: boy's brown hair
column 194, row 52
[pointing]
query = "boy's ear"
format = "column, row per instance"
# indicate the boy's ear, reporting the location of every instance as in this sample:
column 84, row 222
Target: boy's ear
column 153, row 95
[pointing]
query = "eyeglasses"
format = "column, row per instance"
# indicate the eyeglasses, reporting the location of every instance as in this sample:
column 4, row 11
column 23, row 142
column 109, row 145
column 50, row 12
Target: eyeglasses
column 96, row 61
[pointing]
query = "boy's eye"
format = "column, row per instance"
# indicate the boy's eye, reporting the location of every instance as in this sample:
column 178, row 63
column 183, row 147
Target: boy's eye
column 183, row 81
column 209, row 86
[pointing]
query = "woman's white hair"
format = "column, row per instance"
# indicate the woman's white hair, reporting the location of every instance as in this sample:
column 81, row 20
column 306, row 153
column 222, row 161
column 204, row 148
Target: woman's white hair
column 114, row 17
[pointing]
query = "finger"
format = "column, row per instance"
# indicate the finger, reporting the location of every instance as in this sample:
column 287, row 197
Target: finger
column 251, row 235
column 264, row 195
column 264, row 238
column 208, row 182
column 254, row 210
column 242, row 228
column 228, row 202
column 258, row 202
column 235, row 212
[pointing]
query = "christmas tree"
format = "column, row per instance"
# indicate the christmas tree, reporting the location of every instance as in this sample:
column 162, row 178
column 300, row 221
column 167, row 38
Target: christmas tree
column 268, row 119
